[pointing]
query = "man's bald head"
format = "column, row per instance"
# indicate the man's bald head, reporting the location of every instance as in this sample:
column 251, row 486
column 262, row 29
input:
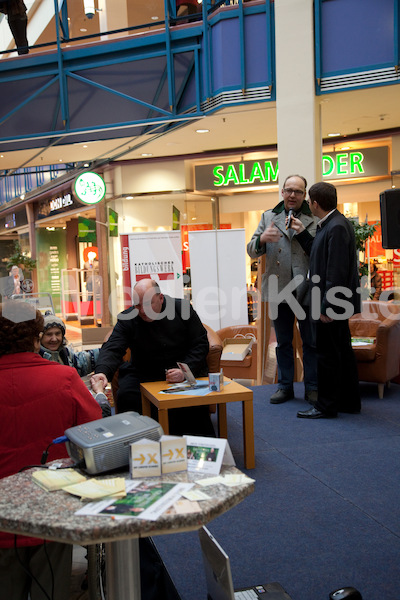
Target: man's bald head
column 147, row 299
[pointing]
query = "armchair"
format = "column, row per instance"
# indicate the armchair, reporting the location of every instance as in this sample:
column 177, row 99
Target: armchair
column 380, row 361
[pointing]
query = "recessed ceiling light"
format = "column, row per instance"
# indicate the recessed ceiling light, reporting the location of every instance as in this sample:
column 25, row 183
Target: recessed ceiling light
column 60, row 160
column 128, row 197
column 1, row 155
column 202, row 131
column 154, row 18
column 83, row 30
column 147, row 154
column 85, row 165
column 85, row 145
column 334, row 134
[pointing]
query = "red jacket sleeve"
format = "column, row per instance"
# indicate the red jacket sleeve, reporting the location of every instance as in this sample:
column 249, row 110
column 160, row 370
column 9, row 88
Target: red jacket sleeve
column 86, row 407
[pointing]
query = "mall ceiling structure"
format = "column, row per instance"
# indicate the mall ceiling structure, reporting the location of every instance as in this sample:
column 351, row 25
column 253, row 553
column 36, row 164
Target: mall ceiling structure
column 350, row 115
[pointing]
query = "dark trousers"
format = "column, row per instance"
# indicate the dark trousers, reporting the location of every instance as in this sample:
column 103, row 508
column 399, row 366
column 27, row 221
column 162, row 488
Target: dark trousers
column 283, row 326
column 338, row 389
column 18, row 27
column 193, row 420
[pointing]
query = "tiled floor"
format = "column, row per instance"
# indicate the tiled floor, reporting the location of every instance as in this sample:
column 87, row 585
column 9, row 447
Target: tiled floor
column 79, row 567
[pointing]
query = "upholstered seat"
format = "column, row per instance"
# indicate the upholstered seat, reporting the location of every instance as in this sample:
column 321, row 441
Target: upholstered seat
column 379, row 361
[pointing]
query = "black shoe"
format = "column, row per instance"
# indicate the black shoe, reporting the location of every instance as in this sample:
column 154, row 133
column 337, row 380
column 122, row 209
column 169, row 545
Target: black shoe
column 311, row 397
column 312, row 413
column 281, row 396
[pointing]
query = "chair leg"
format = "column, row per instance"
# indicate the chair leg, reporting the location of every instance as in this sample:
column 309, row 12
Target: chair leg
column 381, row 387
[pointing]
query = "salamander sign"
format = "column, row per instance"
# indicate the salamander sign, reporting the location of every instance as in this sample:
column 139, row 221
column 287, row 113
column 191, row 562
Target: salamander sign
column 351, row 164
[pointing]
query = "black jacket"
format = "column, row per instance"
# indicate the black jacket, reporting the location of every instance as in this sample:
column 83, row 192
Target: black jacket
column 156, row 346
column 333, row 257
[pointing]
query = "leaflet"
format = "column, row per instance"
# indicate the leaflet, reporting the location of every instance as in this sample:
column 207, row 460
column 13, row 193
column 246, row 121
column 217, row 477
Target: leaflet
column 143, row 500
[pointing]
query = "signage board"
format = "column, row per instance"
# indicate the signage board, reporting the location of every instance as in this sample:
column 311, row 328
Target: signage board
column 349, row 164
column 90, row 188
column 152, row 255
column 57, row 205
column 113, row 223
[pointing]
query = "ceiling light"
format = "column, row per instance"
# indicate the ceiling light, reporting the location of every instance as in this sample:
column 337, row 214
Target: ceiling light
column 147, row 154
column 345, row 148
column 60, row 160
column 334, row 134
column 202, row 131
column 1, row 155
column 85, row 145
column 83, row 30
column 154, row 18
column 128, row 197
column 86, row 165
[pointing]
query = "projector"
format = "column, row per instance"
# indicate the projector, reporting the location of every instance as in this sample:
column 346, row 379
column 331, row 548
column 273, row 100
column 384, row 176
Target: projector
column 104, row 444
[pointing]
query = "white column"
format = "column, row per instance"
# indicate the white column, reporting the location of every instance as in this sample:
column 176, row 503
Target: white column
column 113, row 14
column 298, row 109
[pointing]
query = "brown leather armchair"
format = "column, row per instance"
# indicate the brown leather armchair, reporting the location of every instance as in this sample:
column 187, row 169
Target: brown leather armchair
column 380, row 361
column 213, row 358
column 246, row 368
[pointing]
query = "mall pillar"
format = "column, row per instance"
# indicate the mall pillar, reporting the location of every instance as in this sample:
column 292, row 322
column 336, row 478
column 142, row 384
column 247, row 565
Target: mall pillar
column 297, row 107
column 102, row 241
column 113, row 14
column 32, row 241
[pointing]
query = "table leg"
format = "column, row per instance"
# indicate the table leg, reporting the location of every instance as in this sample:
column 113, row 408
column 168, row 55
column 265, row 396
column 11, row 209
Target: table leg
column 123, row 570
column 163, row 420
column 222, row 421
column 146, row 406
column 248, row 434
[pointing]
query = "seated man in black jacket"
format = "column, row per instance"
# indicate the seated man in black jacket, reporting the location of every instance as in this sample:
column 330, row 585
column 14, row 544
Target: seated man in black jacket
column 159, row 331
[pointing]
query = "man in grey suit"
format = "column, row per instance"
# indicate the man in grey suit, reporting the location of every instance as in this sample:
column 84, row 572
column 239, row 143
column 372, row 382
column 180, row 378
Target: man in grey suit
column 285, row 285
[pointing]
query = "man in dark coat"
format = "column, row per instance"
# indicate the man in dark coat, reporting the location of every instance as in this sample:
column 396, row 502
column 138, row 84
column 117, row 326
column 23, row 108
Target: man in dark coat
column 159, row 331
column 335, row 297
column 17, row 21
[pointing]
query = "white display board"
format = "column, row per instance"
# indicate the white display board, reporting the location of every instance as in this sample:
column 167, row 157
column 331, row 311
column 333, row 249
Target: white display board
column 218, row 276
column 153, row 254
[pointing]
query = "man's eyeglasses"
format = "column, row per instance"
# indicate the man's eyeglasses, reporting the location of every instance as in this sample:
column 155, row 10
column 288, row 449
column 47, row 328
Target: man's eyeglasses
column 290, row 191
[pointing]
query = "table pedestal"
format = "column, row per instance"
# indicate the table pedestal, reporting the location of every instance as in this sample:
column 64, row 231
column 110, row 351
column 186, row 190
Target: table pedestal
column 123, row 570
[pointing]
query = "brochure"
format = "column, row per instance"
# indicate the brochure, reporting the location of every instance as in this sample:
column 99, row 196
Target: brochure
column 143, row 500
column 173, row 453
column 362, row 341
column 207, row 455
column 56, row 479
column 144, row 458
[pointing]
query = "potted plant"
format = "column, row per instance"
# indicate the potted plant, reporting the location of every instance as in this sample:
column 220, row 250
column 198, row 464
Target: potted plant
column 21, row 260
column 363, row 231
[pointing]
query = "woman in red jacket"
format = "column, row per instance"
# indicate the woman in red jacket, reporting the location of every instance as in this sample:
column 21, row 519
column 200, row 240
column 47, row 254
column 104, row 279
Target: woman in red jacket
column 39, row 400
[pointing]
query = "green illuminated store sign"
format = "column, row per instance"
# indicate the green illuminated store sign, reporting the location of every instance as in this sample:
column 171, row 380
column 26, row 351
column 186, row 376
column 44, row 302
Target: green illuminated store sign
column 90, row 188
column 351, row 164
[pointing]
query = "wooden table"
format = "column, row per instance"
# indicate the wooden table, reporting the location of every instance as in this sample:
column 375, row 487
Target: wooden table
column 231, row 392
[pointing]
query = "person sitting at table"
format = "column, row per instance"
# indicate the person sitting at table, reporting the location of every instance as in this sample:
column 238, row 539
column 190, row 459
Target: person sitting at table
column 159, row 331
column 54, row 346
column 39, row 400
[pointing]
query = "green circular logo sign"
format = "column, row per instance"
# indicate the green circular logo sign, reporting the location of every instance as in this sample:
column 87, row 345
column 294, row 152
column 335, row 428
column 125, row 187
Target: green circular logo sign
column 90, row 188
